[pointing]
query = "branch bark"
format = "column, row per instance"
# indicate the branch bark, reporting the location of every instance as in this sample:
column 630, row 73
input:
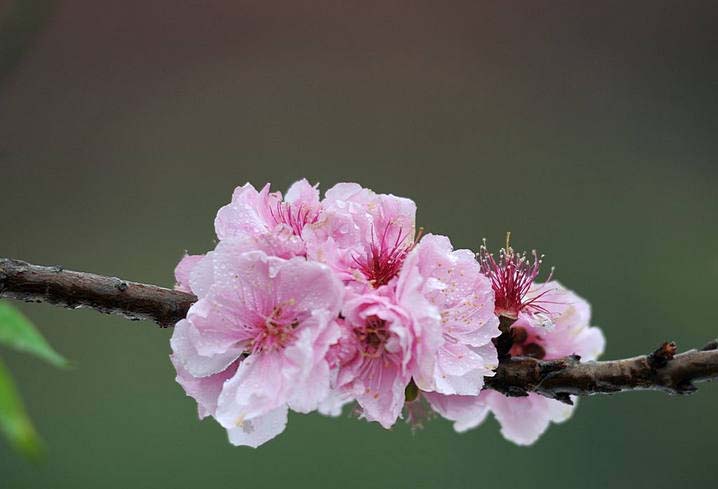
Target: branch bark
column 109, row 295
column 559, row 379
column 661, row 370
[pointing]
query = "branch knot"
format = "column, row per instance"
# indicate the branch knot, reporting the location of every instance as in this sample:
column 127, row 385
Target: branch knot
column 662, row 355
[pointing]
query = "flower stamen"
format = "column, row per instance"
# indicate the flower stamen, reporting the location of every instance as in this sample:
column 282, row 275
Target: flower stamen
column 511, row 279
column 382, row 261
column 275, row 333
column 294, row 217
column 372, row 337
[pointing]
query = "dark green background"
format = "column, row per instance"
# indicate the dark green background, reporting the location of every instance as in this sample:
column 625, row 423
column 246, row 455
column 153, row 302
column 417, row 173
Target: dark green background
column 588, row 129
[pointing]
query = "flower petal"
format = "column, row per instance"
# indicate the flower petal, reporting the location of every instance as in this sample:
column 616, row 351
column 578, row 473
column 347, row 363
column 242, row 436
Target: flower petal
column 204, row 390
column 304, row 194
column 467, row 412
column 380, row 392
column 524, row 419
column 260, row 385
column 186, row 354
column 243, row 215
column 183, row 270
column 461, row 370
column 259, row 430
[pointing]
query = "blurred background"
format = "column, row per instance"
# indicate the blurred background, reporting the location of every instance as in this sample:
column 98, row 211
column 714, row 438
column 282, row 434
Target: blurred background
column 588, row 129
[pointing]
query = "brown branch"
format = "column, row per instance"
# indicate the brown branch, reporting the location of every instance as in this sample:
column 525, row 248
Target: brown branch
column 662, row 370
column 54, row 285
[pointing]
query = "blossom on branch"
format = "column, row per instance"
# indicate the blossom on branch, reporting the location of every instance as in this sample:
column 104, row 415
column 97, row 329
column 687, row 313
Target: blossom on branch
column 309, row 304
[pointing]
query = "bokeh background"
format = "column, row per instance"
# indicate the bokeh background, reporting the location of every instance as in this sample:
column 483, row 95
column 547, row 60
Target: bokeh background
column 588, row 129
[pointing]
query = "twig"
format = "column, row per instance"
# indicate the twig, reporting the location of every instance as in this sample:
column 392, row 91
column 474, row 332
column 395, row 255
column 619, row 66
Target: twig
column 54, row 285
column 559, row 379
column 662, row 370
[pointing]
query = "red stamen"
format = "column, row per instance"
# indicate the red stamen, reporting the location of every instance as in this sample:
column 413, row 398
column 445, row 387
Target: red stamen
column 382, row 262
column 511, row 278
column 295, row 217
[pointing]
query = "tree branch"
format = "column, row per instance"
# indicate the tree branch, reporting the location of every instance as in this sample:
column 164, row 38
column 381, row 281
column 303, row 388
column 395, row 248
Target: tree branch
column 109, row 295
column 661, row 370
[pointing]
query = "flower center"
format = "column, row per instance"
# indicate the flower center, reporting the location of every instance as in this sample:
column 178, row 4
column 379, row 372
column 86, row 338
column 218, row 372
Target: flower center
column 511, row 278
column 275, row 333
column 372, row 336
column 294, row 217
column 383, row 260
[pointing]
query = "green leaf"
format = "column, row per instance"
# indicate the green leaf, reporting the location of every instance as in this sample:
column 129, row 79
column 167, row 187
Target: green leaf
column 17, row 332
column 14, row 421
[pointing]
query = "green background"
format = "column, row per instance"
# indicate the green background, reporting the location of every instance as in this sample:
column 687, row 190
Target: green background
column 588, row 129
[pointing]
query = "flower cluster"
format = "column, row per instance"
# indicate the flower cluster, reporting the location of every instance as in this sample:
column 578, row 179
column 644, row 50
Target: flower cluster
column 309, row 304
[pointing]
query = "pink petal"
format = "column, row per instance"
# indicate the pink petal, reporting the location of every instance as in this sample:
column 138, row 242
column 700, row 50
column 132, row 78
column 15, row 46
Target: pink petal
column 467, row 412
column 563, row 304
column 259, row 386
column 380, row 393
column 243, row 215
column 304, row 194
column 201, row 277
column 466, row 298
column 342, row 193
column 452, row 284
column 308, row 286
column 205, row 390
column 307, row 353
column 397, row 213
column 568, row 329
column 461, row 370
column 524, row 419
column 426, row 322
column 590, row 343
column 257, row 431
column 186, row 354
column 183, row 270
column 216, row 327
column 333, row 404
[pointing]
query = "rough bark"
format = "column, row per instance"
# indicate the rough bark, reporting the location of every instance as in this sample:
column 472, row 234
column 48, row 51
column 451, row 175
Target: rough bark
column 109, row 295
column 661, row 370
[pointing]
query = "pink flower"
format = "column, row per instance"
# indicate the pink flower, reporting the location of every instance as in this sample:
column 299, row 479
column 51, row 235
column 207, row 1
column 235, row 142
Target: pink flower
column 512, row 277
column 274, row 224
column 452, row 282
column 268, row 318
column 563, row 329
column 393, row 333
column 374, row 355
column 363, row 236
column 549, row 322
column 308, row 305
